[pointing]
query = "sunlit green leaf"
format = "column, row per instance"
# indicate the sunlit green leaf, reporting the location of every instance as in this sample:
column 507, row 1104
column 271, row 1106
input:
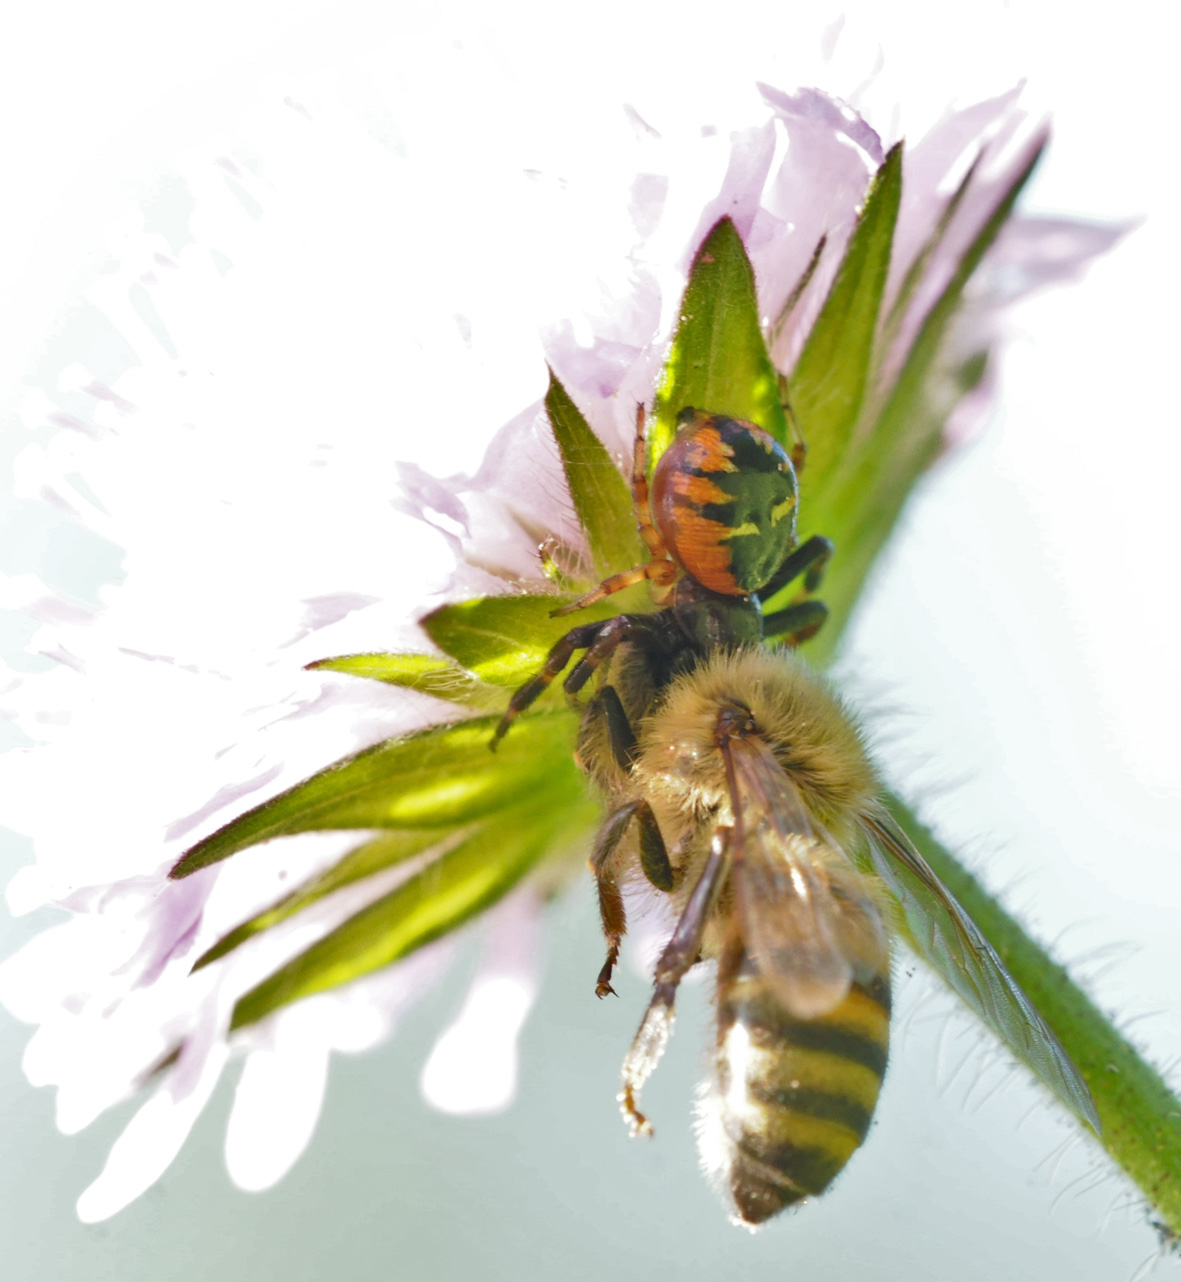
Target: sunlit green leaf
column 922, row 260
column 924, row 352
column 602, row 498
column 383, row 852
column 432, row 903
column 718, row 360
column 829, row 382
column 438, row 778
column 950, row 942
column 504, row 640
column 1139, row 1114
column 860, row 506
column 425, row 673
column 797, row 292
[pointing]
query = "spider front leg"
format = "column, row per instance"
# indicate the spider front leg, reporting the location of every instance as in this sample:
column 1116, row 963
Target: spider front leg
column 599, row 640
column 555, row 663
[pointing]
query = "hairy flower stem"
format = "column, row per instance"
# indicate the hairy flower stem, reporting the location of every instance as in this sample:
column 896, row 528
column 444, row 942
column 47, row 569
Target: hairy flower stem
column 1141, row 1117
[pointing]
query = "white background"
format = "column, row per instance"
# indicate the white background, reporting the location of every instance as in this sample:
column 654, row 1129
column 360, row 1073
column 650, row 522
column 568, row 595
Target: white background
column 1018, row 646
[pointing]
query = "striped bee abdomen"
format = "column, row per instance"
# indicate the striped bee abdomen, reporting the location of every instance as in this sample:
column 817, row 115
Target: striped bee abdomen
column 793, row 1098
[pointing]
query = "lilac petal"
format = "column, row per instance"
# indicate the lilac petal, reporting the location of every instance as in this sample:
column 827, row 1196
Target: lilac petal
column 278, row 1100
column 649, row 194
column 367, row 1012
column 810, row 210
column 1034, row 252
column 155, row 1134
column 834, row 116
column 751, row 153
column 473, row 1067
column 982, row 196
column 951, row 143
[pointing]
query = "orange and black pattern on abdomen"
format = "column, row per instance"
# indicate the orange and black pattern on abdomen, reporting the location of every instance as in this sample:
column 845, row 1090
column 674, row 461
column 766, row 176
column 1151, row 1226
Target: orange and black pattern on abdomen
column 724, row 498
column 794, row 1097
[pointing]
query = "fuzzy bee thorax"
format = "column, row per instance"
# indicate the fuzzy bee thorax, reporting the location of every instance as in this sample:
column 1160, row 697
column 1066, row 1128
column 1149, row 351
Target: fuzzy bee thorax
column 793, row 711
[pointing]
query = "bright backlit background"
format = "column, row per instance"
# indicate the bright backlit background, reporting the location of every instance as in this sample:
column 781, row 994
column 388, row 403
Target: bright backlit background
column 1017, row 650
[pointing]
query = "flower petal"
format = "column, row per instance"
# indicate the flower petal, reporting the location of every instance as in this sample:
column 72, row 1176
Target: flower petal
column 473, row 1067
column 278, row 1100
column 154, row 1136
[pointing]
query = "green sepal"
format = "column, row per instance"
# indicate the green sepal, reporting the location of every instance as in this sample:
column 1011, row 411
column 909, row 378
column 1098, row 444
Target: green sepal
column 450, row 891
column 383, row 852
column 426, row 673
column 1139, row 1114
column 859, row 503
column 718, row 361
column 504, row 640
column 829, row 383
column 915, row 272
column 441, row 777
column 601, row 497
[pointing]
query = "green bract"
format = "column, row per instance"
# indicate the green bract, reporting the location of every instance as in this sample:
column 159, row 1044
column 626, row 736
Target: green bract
column 718, row 361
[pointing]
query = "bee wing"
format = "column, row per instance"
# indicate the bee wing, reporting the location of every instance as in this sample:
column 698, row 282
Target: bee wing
column 951, row 943
column 808, row 920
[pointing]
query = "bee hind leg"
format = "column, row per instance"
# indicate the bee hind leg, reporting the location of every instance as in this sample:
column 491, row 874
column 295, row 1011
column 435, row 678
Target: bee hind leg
column 680, row 953
column 654, row 861
column 612, row 914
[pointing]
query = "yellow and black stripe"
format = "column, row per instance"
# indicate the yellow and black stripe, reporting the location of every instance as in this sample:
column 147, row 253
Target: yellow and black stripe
column 795, row 1097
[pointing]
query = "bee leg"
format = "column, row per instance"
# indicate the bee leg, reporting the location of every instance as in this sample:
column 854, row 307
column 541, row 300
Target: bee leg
column 612, row 914
column 680, row 953
column 620, row 735
column 653, row 859
column 580, row 638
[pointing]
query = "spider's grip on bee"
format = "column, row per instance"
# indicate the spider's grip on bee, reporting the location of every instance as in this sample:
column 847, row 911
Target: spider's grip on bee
column 739, row 790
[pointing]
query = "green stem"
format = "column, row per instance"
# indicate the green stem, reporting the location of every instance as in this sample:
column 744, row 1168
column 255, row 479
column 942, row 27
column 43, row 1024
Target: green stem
column 1141, row 1117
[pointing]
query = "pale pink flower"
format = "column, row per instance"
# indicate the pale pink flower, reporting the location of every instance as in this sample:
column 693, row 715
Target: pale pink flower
column 259, row 536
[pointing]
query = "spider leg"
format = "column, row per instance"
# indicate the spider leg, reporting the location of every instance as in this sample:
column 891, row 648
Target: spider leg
column 661, row 570
column 580, row 638
column 795, row 436
column 796, row 623
column 809, row 559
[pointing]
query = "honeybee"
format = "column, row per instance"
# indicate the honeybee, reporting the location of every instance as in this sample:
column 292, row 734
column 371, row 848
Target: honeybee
column 739, row 786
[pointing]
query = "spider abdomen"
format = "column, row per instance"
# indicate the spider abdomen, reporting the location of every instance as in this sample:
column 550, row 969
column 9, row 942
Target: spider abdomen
column 724, row 499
